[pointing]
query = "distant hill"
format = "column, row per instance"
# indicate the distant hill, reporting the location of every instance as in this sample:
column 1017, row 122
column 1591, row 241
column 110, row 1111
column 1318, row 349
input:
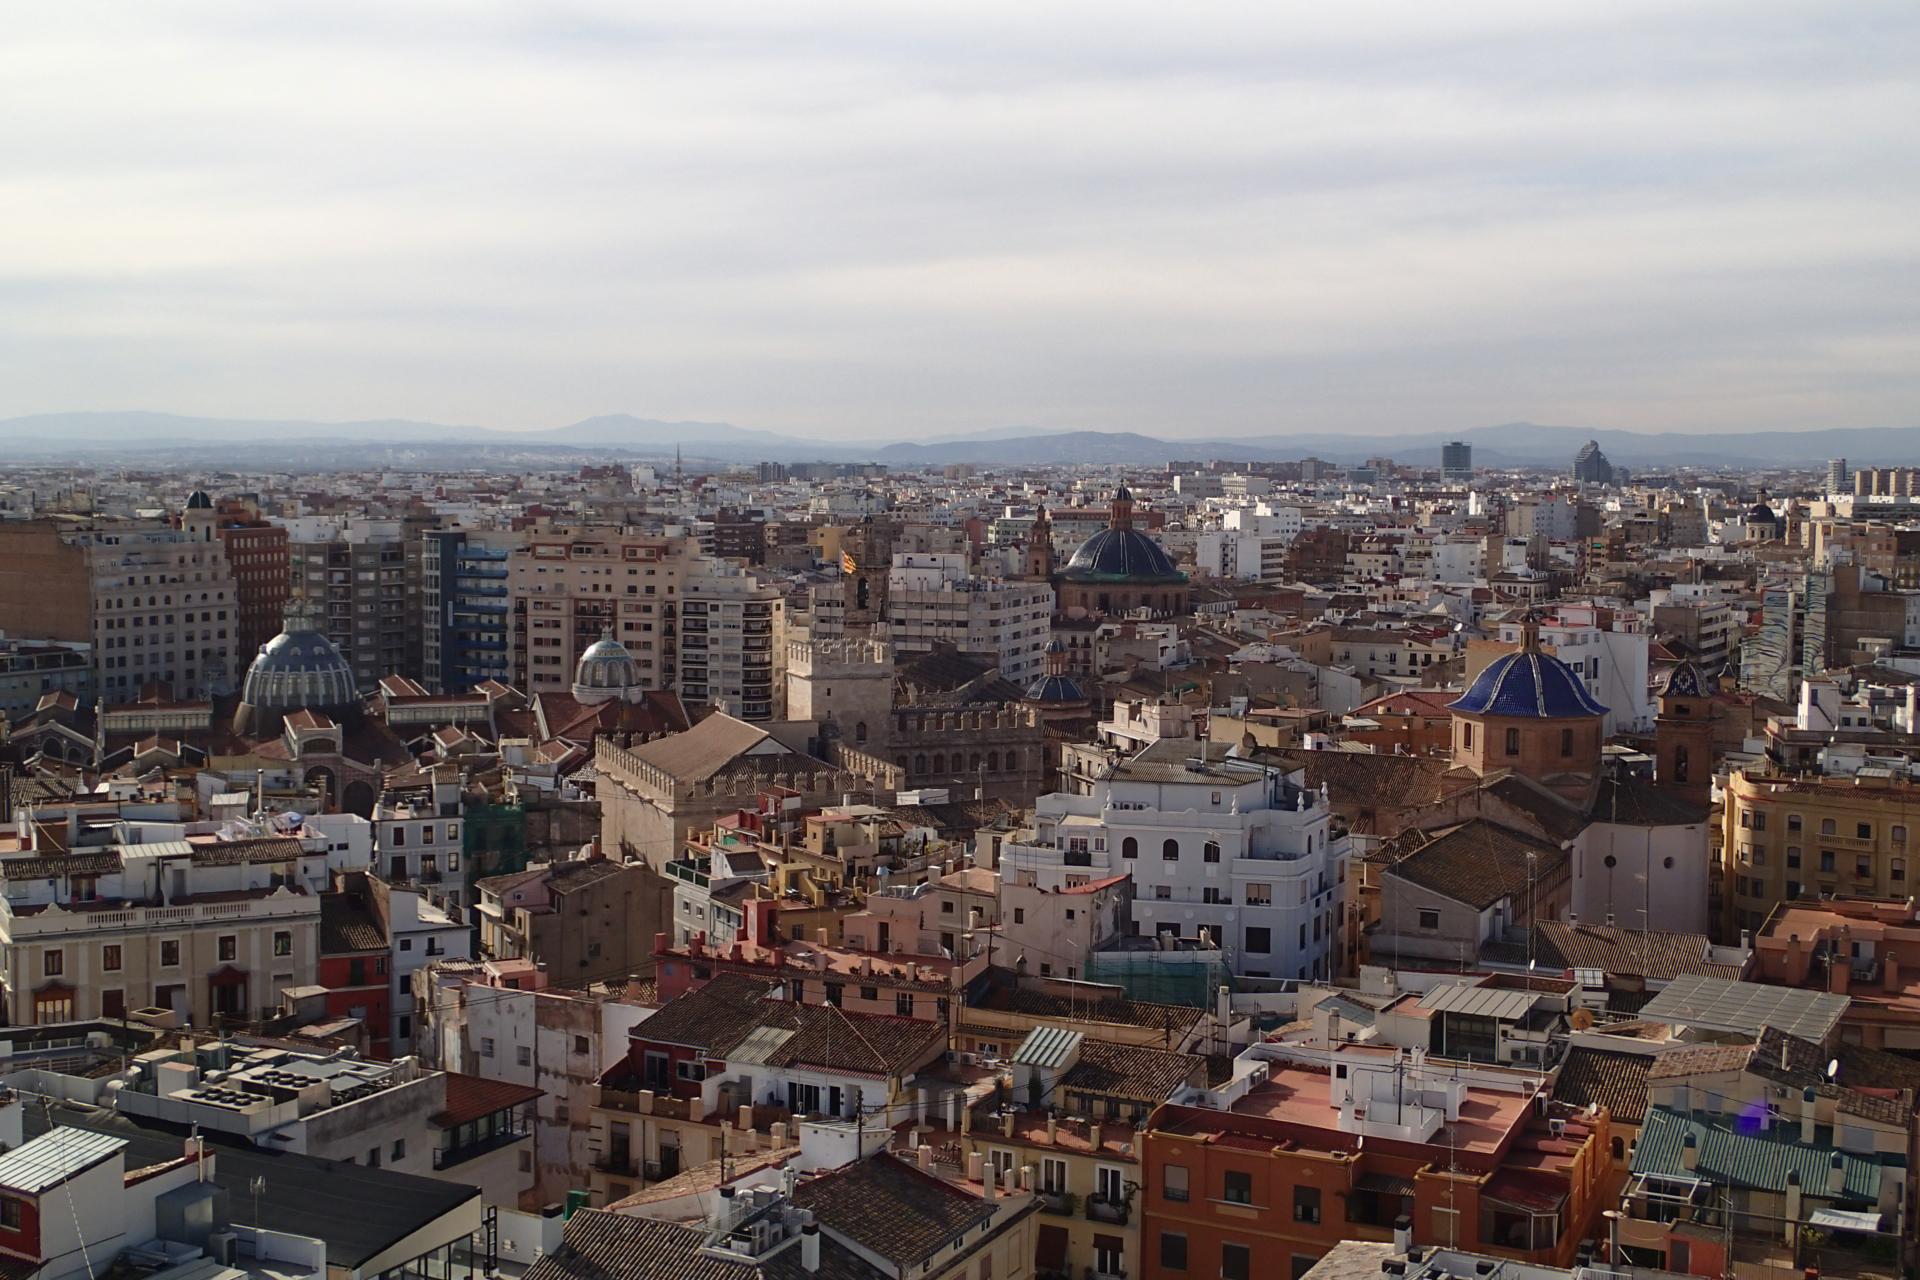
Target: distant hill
column 143, row 435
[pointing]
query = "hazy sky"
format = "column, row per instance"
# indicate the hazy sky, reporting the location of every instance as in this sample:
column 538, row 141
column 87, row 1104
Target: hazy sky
column 873, row 219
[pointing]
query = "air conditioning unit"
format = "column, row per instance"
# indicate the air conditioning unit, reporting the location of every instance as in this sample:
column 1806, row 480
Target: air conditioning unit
column 1556, row 1127
column 224, row 1247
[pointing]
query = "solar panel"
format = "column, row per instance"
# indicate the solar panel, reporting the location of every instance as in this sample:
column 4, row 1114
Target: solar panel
column 53, row 1157
column 1717, row 1004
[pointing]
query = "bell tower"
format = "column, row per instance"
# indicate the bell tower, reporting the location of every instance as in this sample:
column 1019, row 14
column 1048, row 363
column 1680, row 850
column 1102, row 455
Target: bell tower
column 1040, row 547
column 1683, row 734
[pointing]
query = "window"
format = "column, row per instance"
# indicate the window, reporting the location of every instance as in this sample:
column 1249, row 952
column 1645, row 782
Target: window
column 1793, row 856
column 1170, row 851
column 110, row 957
column 399, row 1149
column 1466, row 735
column 53, row 962
column 1863, row 868
column 1163, row 892
column 581, row 1045
column 1236, row 1262
column 10, row 1213
column 1897, row 870
column 1259, row 940
column 1019, row 915
column 1108, row 1256
column 1566, row 742
column 903, row 1004
column 1306, row 1204
column 523, row 1054
column 1173, row 1181
column 1129, row 848
column 1793, row 822
column 282, row 942
column 869, row 993
column 1236, row 1187
column 1863, row 831
column 1513, row 742
column 1826, row 859
column 453, row 834
column 1429, row 919
column 1210, row 852
column 1173, row 1251
column 227, row 947
column 170, row 954
column 426, row 834
column 399, row 840
column 1897, row 834
column 1826, row 827
column 486, row 1046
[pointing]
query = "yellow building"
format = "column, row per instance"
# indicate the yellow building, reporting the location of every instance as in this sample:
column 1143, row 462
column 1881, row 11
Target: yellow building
column 1791, row 837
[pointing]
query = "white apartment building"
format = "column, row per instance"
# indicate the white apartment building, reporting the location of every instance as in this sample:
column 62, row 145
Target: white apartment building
column 732, row 641
column 164, row 608
column 1213, row 843
column 931, row 600
column 1610, row 659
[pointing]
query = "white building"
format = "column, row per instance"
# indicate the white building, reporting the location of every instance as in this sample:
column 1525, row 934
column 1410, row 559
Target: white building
column 732, row 641
column 1607, row 649
column 931, row 600
column 1213, row 842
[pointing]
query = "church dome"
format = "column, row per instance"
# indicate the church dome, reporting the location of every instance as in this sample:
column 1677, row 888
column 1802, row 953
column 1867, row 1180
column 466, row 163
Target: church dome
column 299, row 668
column 605, row 671
column 1528, row 684
column 1122, row 555
column 1056, row 688
column 199, row 501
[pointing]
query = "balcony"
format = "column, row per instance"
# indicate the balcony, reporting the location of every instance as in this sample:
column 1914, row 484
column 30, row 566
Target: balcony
column 1101, row 1209
column 448, row 1157
column 1063, row 1203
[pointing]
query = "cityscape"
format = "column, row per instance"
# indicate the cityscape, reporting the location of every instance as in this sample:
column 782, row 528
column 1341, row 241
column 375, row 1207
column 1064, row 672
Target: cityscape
column 933, row 642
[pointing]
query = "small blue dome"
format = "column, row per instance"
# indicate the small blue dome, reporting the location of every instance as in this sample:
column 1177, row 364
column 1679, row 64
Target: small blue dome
column 1530, row 684
column 1686, row 681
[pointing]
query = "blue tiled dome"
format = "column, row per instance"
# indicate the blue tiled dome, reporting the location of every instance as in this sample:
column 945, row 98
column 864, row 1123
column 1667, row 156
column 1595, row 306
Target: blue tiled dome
column 1056, row 688
column 1531, row 684
column 1122, row 555
column 1686, row 681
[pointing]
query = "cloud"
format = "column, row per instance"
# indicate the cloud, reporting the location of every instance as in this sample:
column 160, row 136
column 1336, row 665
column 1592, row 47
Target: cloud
column 859, row 219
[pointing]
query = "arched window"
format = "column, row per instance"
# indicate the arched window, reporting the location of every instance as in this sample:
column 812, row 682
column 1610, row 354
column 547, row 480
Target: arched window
column 973, row 764
column 993, row 762
column 920, row 763
column 1170, row 851
column 1680, row 764
column 1129, row 848
column 939, row 762
column 860, row 732
column 1466, row 734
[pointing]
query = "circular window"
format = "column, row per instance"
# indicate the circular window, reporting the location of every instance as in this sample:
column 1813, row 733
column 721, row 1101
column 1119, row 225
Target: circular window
column 1610, row 862
column 1667, row 863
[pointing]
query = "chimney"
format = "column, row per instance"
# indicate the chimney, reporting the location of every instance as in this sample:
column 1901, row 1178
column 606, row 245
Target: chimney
column 1053, row 1126
column 1836, row 1174
column 1807, row 1116
column 923, row 1157
column 1026, row 1177
column 1893, row 972
column 1402, row 1234
column 1006, row 1125
column 1793, row 1205
column 989, row 1184
column 1690, row 1153
column 810, row 1247
column 745, row 1121
column 974, row 1162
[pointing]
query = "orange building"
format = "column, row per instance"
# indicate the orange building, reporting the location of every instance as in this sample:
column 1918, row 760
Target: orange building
column 1316, row 1146
column 1867, row 949
column 1412, row 722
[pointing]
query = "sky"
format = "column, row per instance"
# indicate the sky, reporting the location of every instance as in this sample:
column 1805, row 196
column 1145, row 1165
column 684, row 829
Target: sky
column 894, row 220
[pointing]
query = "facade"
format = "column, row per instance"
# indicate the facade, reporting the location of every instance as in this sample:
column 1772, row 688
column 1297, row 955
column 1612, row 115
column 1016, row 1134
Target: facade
column 1590, row 466
column 588, row 920
column 201, row 930
column 1215, row 844
column 353, row 574
column 164, row 610
column 1786, row 838
column 257, row 554
column 464, row 607
column 732, row 641
column 1266, row 1174
column 932, row 601
column 1456, row 460
column 568, row 587
column 31, row 670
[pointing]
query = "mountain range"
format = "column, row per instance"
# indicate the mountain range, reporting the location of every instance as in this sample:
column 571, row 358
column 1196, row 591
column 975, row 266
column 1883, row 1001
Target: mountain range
column 145, row 436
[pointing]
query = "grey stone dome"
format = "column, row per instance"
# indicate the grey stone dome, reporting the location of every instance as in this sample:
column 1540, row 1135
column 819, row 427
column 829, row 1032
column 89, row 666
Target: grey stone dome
column 199, row 501
column 298, row 668
column 1122, row 555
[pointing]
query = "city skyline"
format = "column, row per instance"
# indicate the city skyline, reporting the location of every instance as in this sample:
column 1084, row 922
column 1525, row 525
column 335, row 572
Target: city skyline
column 859, row 225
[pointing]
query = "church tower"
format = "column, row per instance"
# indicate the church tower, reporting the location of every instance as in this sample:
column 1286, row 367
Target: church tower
column 1683, row 734
column 1040, row 547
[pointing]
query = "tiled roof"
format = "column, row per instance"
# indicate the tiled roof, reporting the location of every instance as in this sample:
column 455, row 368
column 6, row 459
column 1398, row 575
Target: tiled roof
column 1732, row 1155
column 1480, row 862
column 347, row 923
column 704, row 750
column 887, row 1206
column 1617, row 1081
column 225, row 853
column 599, row 1245
column 731, row 1016
column 1611, row 949
column 1129, row 1071
column 1120, row 1012
column 1528, row 684
column 470, row 1097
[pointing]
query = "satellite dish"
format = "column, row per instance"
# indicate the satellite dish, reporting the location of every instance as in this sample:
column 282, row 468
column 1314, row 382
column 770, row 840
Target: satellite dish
column 1833, row 1068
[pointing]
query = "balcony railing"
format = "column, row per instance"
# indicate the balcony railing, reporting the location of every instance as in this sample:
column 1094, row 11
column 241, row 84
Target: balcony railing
column 1101, row 1209
column 449, row 1156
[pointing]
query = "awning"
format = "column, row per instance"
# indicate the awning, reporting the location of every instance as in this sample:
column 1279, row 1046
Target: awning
column 1384, row 1184
column 1051, row 1252
column 1845, row 1219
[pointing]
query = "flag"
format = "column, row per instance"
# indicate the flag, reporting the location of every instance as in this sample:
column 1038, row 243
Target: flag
column 848, row 565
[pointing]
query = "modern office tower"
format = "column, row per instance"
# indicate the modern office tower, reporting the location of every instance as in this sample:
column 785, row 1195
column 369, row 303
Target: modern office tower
column 1456, row 460
column 1590, row 466
column 464, row 607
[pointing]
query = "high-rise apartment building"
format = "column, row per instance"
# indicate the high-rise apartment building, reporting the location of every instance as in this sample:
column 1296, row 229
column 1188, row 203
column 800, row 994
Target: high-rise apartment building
column 163, row 610
column 354, row 571
column 1456, row 460
column 257, row 554
column 567, row 587
column 1839, row 478
column 931, row 600
column 732, row 641
column 464, row 607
